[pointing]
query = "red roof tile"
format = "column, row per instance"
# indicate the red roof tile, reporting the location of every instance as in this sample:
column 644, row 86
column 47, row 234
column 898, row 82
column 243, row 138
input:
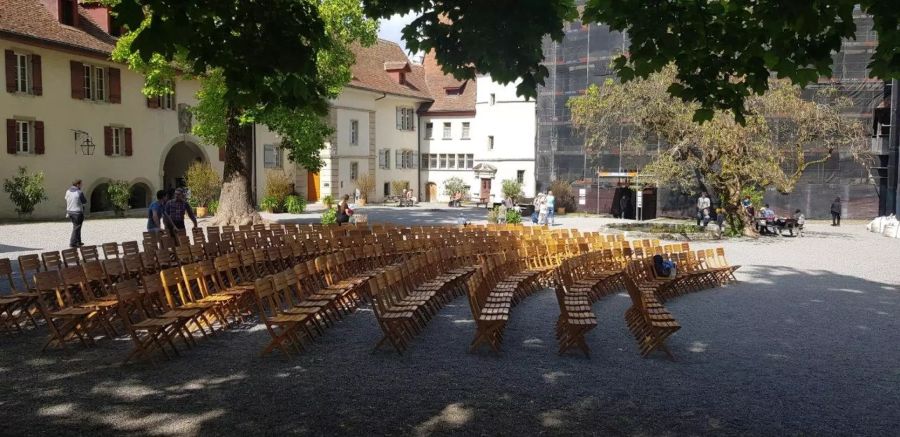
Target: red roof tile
column 449, row 94
column 369, row 71
column 30, row 19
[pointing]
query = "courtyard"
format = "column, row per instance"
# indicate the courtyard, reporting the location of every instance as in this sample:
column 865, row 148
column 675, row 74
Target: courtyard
column 804, row 343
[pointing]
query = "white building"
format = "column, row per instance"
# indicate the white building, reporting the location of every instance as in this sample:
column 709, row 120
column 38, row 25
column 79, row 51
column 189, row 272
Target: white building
column 478, row 131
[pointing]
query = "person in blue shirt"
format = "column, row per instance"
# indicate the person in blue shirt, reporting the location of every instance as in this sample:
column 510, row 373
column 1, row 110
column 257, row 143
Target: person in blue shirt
column 156, row 214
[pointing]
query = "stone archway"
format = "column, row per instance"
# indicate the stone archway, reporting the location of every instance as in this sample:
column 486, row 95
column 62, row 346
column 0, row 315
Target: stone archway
column 141, row 195
column 99, row 200
column 176, row 162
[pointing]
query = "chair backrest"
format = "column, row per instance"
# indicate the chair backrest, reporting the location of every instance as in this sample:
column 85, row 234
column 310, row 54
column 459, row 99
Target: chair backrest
column 29, row 266
column 130, row 247
column 70, row 257
column 6, row 273
column 89, row 253
column 172, row 283
column 52, row 260
column 110, row 250
column 50, row 283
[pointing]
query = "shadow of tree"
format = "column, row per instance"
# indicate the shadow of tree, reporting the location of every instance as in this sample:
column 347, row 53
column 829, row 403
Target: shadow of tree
column 784, row 351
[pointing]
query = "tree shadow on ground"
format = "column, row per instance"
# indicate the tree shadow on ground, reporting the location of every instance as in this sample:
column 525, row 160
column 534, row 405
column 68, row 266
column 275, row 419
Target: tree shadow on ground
column 784, row 351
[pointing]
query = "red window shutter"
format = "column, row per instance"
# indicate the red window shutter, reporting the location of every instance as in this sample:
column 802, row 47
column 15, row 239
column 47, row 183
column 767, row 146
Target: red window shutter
column 152, row 102
column 115, row 86
column 221, row 149
column 39, row 138
column 11, row 136
column 107, row 141
column 128, row 149
column 36, row 81
column 10, row 71
column 77, row 71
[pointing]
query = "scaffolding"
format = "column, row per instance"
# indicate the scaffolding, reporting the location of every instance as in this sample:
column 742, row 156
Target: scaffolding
column 583, row 58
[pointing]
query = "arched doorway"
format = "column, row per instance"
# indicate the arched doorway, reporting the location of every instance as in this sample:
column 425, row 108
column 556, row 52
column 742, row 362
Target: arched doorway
column 431, row 192
column 177, row 161
column 100, row 198
column 140, row 195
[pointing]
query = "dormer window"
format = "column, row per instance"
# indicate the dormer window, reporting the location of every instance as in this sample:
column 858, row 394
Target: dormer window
column 453, row 91
column 397, row 70
column 68, row 12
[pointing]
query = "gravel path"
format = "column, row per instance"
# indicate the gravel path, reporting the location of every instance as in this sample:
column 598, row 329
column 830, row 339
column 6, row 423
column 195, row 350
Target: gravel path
column 805, row 343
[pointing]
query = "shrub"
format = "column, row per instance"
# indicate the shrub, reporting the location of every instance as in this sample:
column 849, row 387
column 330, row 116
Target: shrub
column 26, row 190
column 329, row 216
column 493, row 215
column 119, row 193
column 294, row 204
column 397, row 187
column 512, row 189
column 270, row 204
column 213, row 206
column 454, row 185
column 513, row 217
column 203, row 182
column 328, row 201
column 278, row 186
column 366, row 184
column 562, row 191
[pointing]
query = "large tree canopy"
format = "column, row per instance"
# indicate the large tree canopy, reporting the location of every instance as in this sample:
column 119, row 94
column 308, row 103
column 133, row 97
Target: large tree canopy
column 723, row 50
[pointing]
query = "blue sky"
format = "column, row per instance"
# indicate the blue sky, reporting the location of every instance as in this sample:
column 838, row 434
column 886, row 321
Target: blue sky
column 391, row 28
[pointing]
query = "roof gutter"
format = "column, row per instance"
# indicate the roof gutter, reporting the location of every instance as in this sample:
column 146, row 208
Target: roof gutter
column 49, row 43
column 383, row 95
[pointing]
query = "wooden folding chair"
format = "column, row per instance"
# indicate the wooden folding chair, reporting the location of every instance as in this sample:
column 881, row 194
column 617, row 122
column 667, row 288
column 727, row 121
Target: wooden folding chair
column 284, row 329
column 148, row 333
column 16, row 306
column 65, row 321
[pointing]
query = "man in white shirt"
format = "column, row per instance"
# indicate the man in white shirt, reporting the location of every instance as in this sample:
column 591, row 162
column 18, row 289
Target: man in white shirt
column 75, row 201
column 702, row 203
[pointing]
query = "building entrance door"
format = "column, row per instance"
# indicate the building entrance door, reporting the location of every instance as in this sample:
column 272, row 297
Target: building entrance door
column 431, row 192
column 486, row 188
column 312, row 186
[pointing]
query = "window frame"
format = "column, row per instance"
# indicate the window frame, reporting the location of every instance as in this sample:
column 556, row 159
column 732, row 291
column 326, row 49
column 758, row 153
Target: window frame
column 276, row 153
column 451, row 161
column 354, row 170
column 442, row 161
column 432, row 160
column 520, row 176
column 100, row 84
column 466, row 130
column 470, row 161
column 447, row 131
column 493, row 99
column 354, row 132
column 406, row 119
column 429, row 131
column 117, row 141
column 23, row 73
column 95, row 83
column 29, row 137
column 490, row 142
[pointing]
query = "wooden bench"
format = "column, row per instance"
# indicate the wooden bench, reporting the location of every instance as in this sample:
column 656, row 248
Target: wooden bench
column 482, row 201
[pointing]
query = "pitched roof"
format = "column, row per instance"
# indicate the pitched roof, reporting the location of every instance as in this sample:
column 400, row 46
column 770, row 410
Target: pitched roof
column 449, row 93
column 31, row 20
column 369, row 71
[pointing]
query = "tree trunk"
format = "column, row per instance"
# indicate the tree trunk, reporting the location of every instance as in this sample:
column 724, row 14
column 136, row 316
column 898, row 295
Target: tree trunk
column 236, row 200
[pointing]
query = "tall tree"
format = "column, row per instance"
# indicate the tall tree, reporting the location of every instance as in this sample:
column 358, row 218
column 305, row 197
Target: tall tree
column 781, row 137
column 723, row 50
column 272, row 62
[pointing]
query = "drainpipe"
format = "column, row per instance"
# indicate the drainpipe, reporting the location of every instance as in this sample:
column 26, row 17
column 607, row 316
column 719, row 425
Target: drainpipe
column 253, row 164
column 893, row 183
column 418, row 163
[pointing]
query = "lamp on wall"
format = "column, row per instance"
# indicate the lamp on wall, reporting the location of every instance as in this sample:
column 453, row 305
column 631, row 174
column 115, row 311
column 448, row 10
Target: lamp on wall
column 87, row 144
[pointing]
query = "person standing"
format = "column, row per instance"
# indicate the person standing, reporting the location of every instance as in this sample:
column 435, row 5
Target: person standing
column 747, row 204
column 623, row 204
column 836, row 212
column 703, row 203
column 551, row 208
column 75, row 201
column 155, row 213
column 176, row 208
column 542, row 211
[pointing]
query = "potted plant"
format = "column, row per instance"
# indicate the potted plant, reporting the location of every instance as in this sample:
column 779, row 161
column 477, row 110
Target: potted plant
column 203, row 183
column 294, row 204
column 269, row 204
column 25, row 191
column 328, row 201
column 365, row 183
column 565, row 200
column 278, row 187
column 119, row 193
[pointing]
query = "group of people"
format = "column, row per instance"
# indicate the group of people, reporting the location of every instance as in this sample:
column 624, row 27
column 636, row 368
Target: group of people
column 544, row 209
column 407, row 198
column 168, row 210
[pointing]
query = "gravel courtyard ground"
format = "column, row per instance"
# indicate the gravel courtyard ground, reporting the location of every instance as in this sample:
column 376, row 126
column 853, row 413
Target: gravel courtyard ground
column 807, row 342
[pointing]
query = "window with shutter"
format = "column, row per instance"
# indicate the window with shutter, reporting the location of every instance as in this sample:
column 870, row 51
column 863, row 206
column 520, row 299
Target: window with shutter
column 381, row 158
column 37, row 83
column 387, row 158
column 115, row 85
column 107, row 140
column 9, row 59
column 128, row 145
column 38, row 137
column 11, row 136
column 77, row 79
column 398, row 158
